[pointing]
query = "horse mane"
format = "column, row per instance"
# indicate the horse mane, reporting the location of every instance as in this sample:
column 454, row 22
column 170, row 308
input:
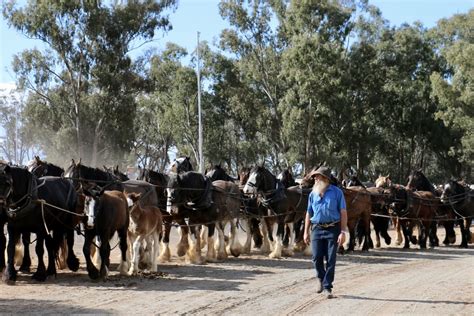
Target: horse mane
column 90, row 173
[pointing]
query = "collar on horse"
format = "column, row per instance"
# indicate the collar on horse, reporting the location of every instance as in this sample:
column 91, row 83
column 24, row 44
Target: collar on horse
column 274, row 196
column 26, row 204
column 204, row 201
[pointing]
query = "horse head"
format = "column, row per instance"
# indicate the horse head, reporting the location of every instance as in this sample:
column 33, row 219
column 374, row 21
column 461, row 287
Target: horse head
column 396, row 198
column 92, row 201
column 260, row 180
column 244, row 174
column 417, row 181
column 383, row 181
column 6, row 185
column 453, row 192
column 181, row 164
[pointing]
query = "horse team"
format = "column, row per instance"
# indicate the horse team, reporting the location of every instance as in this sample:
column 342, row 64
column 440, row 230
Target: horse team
column 54, row 203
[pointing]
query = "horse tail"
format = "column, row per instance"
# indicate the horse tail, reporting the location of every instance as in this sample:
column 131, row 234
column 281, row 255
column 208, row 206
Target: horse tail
column 18, row 258
column 62, row 255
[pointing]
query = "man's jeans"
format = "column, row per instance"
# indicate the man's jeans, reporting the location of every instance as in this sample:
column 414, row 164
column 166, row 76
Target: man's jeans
column 324, row 246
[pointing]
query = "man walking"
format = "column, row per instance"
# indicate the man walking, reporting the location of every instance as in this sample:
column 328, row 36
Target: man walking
column 325, row 227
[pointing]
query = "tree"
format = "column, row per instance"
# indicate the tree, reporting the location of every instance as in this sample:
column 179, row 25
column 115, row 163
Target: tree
column 84, row 84
column 454, row 88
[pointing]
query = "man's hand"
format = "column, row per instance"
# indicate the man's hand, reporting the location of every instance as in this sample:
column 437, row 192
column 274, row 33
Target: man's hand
column 341, row 239
column 306, row 237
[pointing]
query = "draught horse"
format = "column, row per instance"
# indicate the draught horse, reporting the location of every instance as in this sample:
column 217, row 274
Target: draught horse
column 213, row 204
column 41, row 206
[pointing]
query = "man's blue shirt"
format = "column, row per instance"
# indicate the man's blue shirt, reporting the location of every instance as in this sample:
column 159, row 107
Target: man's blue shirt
column 326, row 209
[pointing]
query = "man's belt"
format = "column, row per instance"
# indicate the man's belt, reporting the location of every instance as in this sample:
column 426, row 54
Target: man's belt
column 325, row 225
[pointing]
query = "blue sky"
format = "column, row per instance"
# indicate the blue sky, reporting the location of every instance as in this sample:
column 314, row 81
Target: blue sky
column 203, row 15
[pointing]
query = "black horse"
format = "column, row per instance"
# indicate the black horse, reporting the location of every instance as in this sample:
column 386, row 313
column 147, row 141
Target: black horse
column 460, row 198
column 286, row 178
column 417, row 181
column 218, row 173
column 213, row 204
column 180, row 165
column 283, row 204
column 42, row 168
column 117, row 173
column 88, row 177
column 22, row 198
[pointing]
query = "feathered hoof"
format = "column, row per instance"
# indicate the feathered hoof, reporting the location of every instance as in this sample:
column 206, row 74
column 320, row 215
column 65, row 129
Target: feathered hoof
column 286, row 252
column 299, row 247
column 24, row 269
column 9, row 276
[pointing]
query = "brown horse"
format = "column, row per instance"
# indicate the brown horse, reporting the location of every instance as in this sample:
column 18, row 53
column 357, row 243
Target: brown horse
column 359, row 208
column 413, row 209
column 145, row 225
column 106, row 213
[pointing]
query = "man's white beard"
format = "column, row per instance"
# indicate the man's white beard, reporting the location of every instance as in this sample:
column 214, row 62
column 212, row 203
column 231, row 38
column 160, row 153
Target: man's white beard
column 320, row 186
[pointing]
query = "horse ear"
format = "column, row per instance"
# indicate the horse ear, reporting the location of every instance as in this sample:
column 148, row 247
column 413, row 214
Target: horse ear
column 117, row 168
column 80, row 160
column 73, row 163
column 388, row 176
column 188, row 158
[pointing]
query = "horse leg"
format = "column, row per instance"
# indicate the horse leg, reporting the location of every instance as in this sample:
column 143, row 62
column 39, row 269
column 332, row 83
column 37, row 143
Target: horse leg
column 406, row 233
column 300, row 245
column 9, row 274
column 52, row 244
column 256, row 234
column 211, row 251
column 26, row 262
column 423, row 233
column 86, row 249
column 135, row 242
column 287, row 250
column 156, row 250
column 450, row 233
column 72, row 260
column 248, row 233
column 265, row 248
column 183, row 245
column 220, row 245
column 104, row 251
column 234, row 247
column 398, row 229
column 467, row 225
column 464, row 234
column 40, row 274
column 286, row 235
column 165, row 255
column 277, row 251
column 3, row 245
column 384, row 230
column 432, row 233
column 270, row 232
column 122, row 235
column 194, row 251
column 203, row 236
column 368, row 240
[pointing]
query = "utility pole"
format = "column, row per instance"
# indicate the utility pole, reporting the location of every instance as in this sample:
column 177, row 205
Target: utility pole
column 201, row 158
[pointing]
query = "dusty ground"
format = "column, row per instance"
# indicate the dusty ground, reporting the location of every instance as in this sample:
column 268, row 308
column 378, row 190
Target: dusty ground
column 385, row 281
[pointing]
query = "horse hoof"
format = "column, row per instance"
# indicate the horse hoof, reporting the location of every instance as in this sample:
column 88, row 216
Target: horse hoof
column 40, row 277
column 9, row 278
column 235, row 253
column 25, row 269
column 73, row 264
column 51, row 272
column 93, row 274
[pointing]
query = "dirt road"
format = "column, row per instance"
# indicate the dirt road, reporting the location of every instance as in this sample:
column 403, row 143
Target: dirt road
column 386, row 281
